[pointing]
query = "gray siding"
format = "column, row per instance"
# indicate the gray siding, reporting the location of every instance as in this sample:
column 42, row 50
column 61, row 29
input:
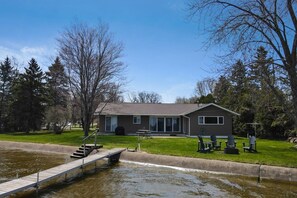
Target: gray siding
column 195, row 129
column 220, row 130
column 127, row 123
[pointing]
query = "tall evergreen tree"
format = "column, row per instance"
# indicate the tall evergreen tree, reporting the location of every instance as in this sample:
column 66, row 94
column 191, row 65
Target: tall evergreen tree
column 221, row 90
column 57, row 84
column 7, row 76
column 29, row 101
column 271, row 104
column 58, row 96
column 233, row 92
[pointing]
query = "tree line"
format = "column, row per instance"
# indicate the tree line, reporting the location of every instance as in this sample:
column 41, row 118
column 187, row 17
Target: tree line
column 255, row 89
column 243, row 26
column 86, row 73
column 31, row 97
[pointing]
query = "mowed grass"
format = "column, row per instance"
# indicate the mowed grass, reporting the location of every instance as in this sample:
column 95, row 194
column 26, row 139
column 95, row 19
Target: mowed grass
column 270, row 152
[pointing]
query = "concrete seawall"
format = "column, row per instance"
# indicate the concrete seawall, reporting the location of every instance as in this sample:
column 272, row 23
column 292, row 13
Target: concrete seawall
column 254, row 170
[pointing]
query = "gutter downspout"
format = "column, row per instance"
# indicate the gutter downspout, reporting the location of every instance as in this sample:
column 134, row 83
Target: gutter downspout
column 189, row 124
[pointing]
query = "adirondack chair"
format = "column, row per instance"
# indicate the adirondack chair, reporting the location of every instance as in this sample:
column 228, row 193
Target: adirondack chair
column 215, row 145
column 252, row 144
column 202, row 147
column 230, row 143
column 231, row 146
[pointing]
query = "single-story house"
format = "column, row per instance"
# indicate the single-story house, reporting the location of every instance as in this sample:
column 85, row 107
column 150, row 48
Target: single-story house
column 188, row 119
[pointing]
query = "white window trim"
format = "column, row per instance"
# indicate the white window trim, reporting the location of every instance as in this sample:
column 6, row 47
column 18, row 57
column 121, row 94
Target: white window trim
column 218, row 119
column 138, row 118
column 172, row 125
column 106, row 124
column 111, row 124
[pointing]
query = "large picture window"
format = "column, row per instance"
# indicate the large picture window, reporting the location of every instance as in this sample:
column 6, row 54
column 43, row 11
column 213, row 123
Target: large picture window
column 210, row 120
column 164, row 124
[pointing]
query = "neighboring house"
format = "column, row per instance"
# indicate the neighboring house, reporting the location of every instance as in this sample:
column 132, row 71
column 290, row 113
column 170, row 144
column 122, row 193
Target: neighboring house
column 188, row 119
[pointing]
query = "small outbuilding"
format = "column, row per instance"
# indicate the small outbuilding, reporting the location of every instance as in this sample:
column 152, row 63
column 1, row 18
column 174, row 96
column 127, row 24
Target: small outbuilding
column 187, row 119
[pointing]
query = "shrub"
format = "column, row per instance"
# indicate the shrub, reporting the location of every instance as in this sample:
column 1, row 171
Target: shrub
column 120, row 130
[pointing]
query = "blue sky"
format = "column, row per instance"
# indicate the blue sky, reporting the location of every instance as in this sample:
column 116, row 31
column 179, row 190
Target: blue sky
column 163, row 49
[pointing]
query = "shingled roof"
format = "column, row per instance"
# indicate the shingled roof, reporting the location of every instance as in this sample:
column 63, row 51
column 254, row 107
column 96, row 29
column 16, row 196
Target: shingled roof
column 161, row 109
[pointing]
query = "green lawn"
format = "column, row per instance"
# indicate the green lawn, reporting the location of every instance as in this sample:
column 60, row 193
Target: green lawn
column 270, row 152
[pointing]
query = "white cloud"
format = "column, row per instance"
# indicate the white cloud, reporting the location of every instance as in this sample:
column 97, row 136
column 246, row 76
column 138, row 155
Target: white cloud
column 25, row 53
column 33, row 50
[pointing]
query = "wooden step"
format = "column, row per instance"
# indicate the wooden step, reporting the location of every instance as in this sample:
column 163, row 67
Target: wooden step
column 75, row 156
column 78, row 154
column 85, row 151
column 81, row 149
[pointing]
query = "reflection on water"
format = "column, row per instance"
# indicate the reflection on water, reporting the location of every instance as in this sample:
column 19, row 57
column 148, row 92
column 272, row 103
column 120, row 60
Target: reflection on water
column 132, row 180
column 18, row 162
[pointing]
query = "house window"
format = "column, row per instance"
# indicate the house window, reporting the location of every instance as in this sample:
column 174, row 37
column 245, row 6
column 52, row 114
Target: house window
column 153, row 123
column 160, row 124
column 164, row 124
column 111, row 122
column 169, row 124
column 210, row 120
column 175, row 123
column 136, row 119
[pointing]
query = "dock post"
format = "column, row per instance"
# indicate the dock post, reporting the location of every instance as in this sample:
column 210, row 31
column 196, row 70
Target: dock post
column 82, row 166
column 37, row 183
column 65, row 179
column 114, row 158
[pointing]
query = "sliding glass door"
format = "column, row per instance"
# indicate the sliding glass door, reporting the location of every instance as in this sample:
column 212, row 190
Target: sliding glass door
column 168, row 124
column 111, row 122
column 160, row 124
column 164, row 124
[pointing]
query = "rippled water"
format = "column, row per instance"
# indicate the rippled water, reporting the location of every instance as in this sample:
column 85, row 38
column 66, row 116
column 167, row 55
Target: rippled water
column 133, row 180
column 15, row 163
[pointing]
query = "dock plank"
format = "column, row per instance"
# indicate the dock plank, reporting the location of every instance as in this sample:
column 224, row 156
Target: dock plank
column 30, row 181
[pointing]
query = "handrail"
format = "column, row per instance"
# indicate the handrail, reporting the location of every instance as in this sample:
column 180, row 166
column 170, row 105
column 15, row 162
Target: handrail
column 95, row 141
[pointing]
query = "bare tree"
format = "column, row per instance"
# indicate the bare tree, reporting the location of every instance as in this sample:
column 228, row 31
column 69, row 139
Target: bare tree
column 92, row 59
column 205, row 87
column 247, row 24
column 184, row 100
column 145, row 97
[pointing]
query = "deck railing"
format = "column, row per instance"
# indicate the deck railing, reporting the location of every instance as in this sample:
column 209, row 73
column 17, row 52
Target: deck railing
column 88, row 137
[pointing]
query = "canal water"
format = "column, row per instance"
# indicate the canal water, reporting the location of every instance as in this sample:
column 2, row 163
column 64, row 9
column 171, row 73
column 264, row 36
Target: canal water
column 135, row 180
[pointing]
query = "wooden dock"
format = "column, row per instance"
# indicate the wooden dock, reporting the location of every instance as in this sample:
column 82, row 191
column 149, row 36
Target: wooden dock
column 34, row 180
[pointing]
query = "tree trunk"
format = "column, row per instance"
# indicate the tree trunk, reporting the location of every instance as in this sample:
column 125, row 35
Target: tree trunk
column 86, row 122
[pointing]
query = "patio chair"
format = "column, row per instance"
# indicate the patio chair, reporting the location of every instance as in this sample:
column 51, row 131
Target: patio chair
column 252, row 144
column 215, row 145
column 230, row 143
column 231, row 146
column 202, row 147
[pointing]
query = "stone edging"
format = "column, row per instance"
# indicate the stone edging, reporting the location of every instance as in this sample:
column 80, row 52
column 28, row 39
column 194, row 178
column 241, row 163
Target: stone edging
column 254, row 170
